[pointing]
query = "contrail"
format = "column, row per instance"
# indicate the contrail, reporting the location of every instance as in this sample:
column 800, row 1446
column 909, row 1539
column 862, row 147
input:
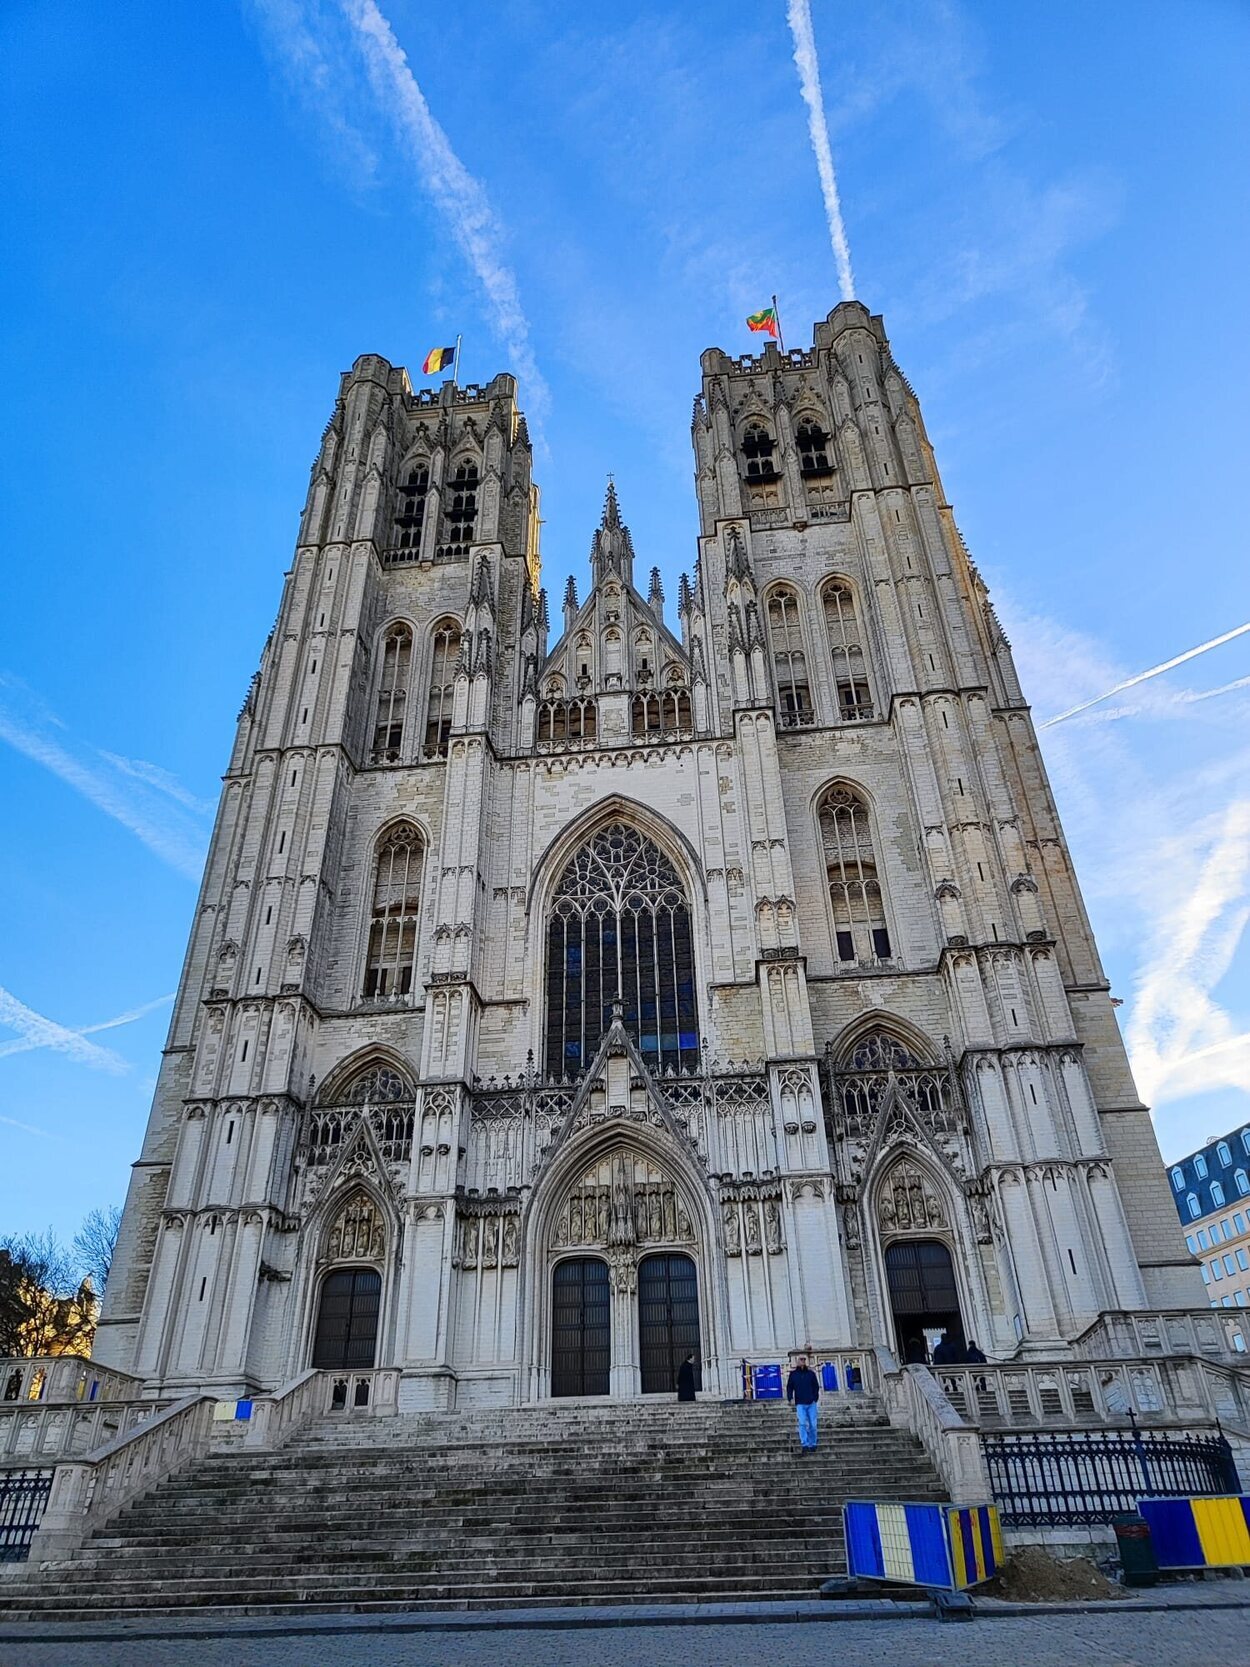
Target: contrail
column 460, row 197
column 799, row 14
column 1142, row 676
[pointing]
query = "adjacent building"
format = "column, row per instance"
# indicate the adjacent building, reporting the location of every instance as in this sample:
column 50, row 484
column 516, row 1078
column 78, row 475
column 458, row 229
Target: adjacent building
column 1211, row 1191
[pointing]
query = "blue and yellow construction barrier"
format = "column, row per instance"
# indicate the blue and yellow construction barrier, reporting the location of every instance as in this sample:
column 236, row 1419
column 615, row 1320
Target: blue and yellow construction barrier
column 1199, row 1533
column 947, row 1546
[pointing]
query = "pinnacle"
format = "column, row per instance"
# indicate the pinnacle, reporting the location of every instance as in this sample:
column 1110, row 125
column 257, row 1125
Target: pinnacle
column 611, row 509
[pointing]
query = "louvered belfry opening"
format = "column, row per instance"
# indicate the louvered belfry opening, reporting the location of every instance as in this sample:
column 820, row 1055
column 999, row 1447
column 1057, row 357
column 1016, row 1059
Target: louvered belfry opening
column 620, row 930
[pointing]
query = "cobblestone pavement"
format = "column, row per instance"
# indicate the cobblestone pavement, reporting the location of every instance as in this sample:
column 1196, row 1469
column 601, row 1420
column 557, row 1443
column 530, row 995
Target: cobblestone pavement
column 1215, row 1637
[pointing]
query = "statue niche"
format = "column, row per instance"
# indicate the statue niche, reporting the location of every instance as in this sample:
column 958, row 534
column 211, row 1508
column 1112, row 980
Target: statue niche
column 623, row 1199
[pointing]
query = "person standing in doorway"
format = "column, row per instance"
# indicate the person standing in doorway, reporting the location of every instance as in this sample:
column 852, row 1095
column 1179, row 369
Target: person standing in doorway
column 687, row 1379
column 803, row 1388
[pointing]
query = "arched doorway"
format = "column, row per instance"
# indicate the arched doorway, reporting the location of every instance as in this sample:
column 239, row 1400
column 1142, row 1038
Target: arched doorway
column 347, row 1320
column 581, row 1327
column 924, row 1297
column 668, row 1319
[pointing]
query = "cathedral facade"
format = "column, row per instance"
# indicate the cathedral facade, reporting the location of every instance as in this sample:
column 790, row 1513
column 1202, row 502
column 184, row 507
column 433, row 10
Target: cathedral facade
column 564, row 997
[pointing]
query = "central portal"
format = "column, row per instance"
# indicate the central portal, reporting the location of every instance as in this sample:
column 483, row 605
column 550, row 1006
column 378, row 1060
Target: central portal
column 581, row 1328
column 668, row 1319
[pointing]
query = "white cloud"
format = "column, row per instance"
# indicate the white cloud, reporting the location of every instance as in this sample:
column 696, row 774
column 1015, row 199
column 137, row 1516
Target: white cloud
column 295, row 35
column 41, row 1032
column 799, row 15
column 36, row 1037
column 106, row 781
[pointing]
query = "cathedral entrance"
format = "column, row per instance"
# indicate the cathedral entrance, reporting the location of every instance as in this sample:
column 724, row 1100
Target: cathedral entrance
column 347, row 1320
column 924, row 1298
column 581, row 1327
column 668, row 1319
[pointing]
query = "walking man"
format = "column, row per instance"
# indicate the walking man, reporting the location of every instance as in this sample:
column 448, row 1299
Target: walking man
column 803, row 1388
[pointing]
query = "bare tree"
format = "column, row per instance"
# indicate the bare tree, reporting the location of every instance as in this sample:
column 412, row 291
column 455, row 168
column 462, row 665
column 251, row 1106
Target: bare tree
column 46, row 1306
column 94, row 1244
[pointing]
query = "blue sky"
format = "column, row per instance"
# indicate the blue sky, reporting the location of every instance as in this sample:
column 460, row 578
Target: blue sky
column 208, row 212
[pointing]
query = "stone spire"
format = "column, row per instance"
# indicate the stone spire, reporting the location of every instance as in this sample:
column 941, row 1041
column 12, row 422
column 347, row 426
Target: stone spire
column 612, row 551
column 655, row 596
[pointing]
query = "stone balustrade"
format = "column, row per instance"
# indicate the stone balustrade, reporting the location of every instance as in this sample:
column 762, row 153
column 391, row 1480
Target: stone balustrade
column 1165, row 1390
column 63, row 1379
column 1132, row 1334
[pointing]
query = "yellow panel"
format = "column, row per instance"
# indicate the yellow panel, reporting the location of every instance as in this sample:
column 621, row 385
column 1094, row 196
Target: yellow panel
column 895, row 1543
column 1222, row 1531
column 996, row 1537
column 956, row 1541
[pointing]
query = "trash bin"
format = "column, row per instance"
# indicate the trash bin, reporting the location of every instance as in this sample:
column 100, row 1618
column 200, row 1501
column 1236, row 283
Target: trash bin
column 1137, row 1553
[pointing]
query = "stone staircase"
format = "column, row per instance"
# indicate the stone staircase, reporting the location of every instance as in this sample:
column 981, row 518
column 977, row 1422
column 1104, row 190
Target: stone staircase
column 576, row 1503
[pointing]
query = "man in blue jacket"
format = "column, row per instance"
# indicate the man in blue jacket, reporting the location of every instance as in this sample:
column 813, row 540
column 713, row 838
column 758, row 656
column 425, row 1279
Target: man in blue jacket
column 803, row 1388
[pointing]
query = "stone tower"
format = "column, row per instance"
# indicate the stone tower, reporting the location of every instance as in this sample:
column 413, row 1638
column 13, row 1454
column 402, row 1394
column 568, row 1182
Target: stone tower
column 551, row 1008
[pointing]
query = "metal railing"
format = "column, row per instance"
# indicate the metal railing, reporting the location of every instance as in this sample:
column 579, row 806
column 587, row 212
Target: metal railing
column 23, row 1496
column 1077, row 1477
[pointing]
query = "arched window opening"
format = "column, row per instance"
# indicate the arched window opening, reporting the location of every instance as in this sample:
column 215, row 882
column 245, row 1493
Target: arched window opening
column 620, row 931
column 877, row 1061
column 390, row 968
column 1194, row 1207
column 562, row 721
column 384, row 1096
column 1224, row 1155
column 439, row 708
column 813, row 447
column 388, row 726
column 758, row 447
column 785, row 634
column 860, row 931
column 410, row 515
column 1200, row 1167
column 460, row 513
column 666, row 712
column 1178, row 1179
column 1217, row 1194
column 846, row 650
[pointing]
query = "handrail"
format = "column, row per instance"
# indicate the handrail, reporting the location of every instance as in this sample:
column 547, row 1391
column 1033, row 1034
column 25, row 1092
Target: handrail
column 62, row 1379
column 914, row 1400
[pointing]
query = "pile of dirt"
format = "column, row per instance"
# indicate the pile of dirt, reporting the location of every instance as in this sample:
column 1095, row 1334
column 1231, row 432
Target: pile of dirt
column 1031, row 1575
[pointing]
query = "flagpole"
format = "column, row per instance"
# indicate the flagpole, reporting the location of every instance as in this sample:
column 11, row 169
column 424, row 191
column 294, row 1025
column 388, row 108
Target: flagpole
column 455, row 375
column 781, row 340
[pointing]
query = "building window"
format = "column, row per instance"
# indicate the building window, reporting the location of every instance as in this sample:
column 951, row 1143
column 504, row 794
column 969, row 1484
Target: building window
column 1226, row 1231
column 1243, row 1186
column 813, row 447
column 459, row 513
column 757, row 451
column 1217, row 1272
column 410, row 514
column 1178, row 1179
column 1194, row 1209
column 1217, row 1194
column 1239, row 1221
column 785, row 634
column 438, row 712
column 390, row 967
column 561, row 721
column 1224, row 1155
column 846, row 650
column 1245, row 1141
column 1243, row 1261
column 859, row 929
column 1228, row 1302
column 388, row 725
column 1200, row 1167
column 619, row 931
column 1230, row 1267
column 1203, row 1240
column 1191, row 1242
column 1206, row 1277
column 664, row 712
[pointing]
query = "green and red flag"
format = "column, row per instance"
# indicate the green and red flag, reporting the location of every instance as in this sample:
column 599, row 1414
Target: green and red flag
column 438, row 358
column 765, row 321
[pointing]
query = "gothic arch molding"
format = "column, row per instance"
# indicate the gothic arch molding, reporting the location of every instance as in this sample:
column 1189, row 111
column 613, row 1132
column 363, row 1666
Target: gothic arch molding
column 314, row 1261
column 615, row 807
column 340, row 1077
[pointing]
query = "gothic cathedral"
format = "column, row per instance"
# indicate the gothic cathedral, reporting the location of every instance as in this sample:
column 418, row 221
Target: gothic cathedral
column 562, row 1002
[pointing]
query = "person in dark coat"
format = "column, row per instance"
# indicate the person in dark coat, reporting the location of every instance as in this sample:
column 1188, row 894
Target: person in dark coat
column 948, row 1352
column 687, row 1379
column 803, row 1388
column 915, row 1353
column 974, row 1356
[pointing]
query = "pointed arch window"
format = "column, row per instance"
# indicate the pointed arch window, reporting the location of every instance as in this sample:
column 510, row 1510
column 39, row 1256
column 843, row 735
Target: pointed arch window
column 758, row 448
column 1195, row 1209
column 859, row 928
column 846, row 651
column 391, row 961
column 1200, row 1167
column 395, row 677
column 813, row 447
column 1217, row 1195
column 410, row 513
column 1225, row 1156
column 785, row 636
column 438, row 712
column 662, row 712
column 460, row 513
column 619, row 931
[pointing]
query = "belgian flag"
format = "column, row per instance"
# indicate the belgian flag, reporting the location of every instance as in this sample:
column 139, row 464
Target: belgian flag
column 439, row 358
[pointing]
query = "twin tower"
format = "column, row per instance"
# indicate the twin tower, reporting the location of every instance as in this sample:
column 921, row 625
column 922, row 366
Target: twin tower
column 565, row 996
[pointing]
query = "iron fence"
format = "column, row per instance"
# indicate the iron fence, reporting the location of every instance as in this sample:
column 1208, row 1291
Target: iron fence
column 1073, row 1477
column 23, row 1496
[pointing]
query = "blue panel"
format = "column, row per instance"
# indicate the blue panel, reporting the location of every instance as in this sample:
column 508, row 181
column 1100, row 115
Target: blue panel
column 243, row 1410
column 828, row 1375
column 1173, row 1532
column 928, row 1545
column 768, row 1386
column 863, row 1541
